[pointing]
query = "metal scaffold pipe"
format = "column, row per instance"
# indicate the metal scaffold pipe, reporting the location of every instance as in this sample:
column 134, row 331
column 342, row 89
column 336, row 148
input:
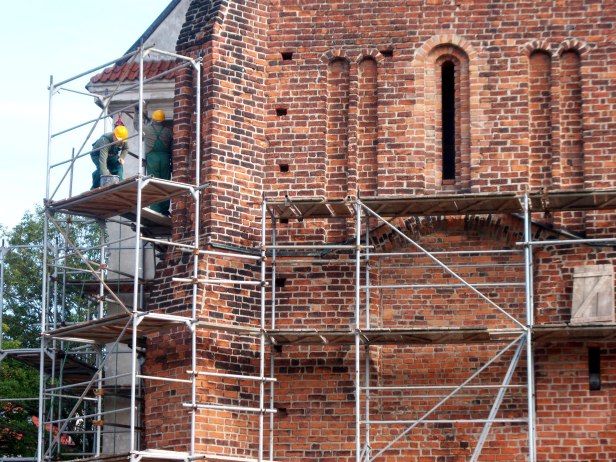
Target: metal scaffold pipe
column 530, row 321
column 357, row 378
column 137, row 261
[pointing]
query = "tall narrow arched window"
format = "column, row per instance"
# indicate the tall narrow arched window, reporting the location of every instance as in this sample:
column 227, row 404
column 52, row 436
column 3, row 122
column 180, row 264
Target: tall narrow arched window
column 443, row 92
column 448, row 120
column 443, row 95
column 452, row 117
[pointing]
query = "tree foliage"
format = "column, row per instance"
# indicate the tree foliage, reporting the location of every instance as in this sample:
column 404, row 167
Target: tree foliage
column 20, row 383
column 23, row 271
column 23, row 259
column 18, row 435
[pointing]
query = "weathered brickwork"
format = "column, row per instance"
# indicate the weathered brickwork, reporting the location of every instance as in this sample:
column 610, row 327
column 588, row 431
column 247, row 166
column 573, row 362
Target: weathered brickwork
column 231, row 39
column 169, row 355
column 331, row 98
column 574, row 423
column 513, row 139
column 422, row 366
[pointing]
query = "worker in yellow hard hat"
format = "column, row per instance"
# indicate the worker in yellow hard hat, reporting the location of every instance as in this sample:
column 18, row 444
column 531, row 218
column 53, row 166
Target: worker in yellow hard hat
column 108, row 154
column 158, row 139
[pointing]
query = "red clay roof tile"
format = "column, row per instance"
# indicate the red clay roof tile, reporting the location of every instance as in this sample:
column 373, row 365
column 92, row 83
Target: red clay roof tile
column 130, row 71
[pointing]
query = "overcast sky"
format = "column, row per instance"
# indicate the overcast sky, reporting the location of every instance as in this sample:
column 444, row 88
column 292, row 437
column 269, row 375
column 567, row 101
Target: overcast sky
column 62, row 38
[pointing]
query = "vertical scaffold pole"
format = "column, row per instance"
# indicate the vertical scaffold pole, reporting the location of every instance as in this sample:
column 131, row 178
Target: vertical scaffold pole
column 358, row 218
column 41, row 409
column 137, row 259
column 3, row 251
column 367, row 348
column 53, row 302
column 530, row 367
column 272, row 326
column 99, row 402
column 99, row 351
column 193, row 415
column 262, row 336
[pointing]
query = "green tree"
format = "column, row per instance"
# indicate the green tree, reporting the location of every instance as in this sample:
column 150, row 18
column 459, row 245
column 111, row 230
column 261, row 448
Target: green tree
column 18, row 435
column 24, row 269
column 23, row 257
column 22, row 290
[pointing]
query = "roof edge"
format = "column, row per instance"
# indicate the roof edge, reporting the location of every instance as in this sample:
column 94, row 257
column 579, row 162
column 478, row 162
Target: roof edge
column 157, row 22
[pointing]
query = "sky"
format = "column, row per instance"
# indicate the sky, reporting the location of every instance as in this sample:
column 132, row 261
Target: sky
column 59, row 38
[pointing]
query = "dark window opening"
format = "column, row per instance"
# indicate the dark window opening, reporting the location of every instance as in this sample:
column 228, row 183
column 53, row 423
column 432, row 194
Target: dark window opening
column 448, row 93
column 594, row 369
column 281, row 111
column 284, row 221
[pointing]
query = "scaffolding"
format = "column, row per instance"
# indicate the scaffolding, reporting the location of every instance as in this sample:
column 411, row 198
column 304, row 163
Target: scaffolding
column 106, row 402
column 518, row 338
column 93, row 341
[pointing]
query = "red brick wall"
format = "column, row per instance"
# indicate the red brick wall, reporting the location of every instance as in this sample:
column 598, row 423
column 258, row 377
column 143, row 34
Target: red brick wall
column 502, row 123
column 166, row 420
column 357, row 107
column 574, row 423
column 231, row 39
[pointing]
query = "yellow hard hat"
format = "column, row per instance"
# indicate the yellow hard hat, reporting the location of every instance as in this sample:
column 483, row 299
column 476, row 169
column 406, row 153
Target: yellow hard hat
column 120, row 132
column 158, row 115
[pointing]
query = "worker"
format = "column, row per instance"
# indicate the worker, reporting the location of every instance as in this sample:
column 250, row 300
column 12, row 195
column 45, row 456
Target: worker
column 158, row 139
column 108, row 154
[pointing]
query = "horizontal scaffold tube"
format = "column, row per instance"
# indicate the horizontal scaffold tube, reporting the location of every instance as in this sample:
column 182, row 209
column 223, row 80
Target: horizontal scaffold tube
column 423, row 286
column 231, row 408
column 315, row 246
column 234, row 376
column 436, row 421
column 218, row 281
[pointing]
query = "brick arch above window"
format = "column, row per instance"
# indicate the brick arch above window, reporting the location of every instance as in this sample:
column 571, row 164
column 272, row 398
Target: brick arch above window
column 327, row 59
column 448, row 53
column 575, row 45
column 331, row 55
column 369, row 53
column 535, row 46
column 438, row 41
column 506, row 231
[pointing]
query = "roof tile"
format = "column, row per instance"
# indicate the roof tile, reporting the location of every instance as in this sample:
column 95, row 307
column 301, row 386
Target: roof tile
column 130, row 71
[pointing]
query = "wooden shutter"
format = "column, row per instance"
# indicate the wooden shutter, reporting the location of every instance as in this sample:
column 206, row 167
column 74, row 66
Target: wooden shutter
column 593, row 294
